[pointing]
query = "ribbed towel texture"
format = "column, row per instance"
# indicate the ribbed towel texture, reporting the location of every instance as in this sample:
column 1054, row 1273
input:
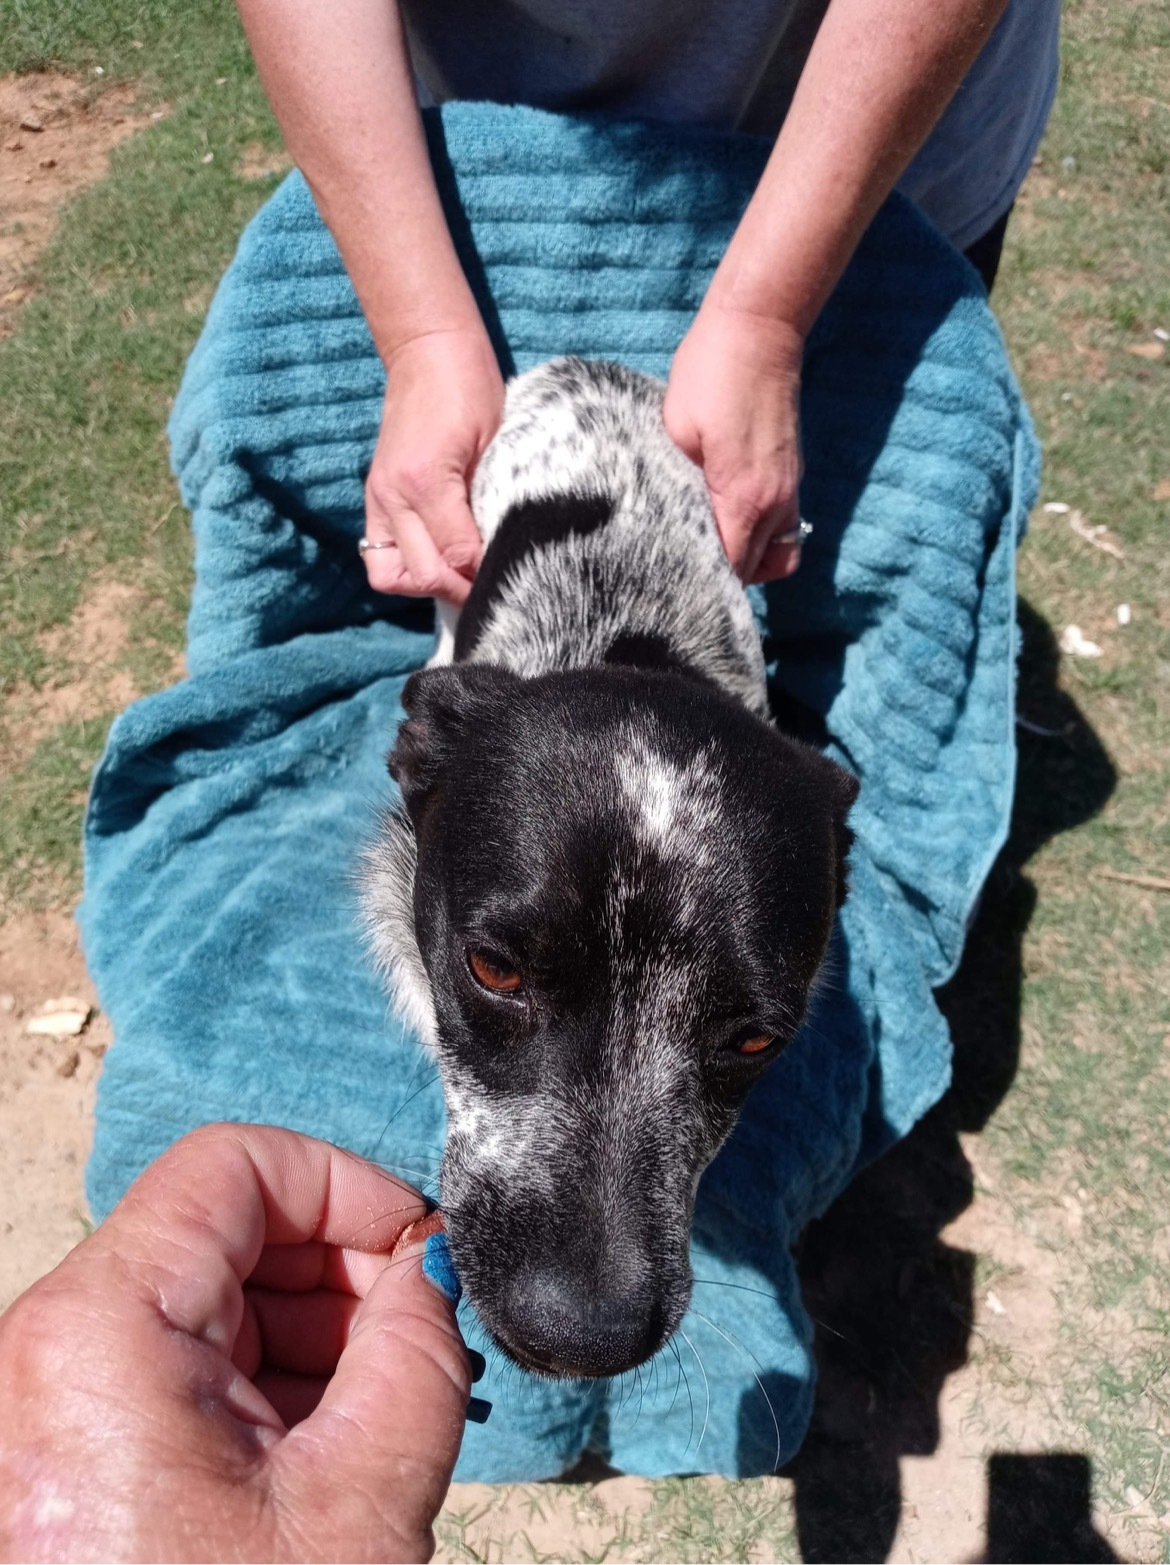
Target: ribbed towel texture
column 219, row 914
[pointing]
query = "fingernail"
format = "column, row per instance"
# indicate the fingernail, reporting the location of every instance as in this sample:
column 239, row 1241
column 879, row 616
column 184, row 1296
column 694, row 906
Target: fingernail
column 792, row 564
column 478, row 1365
column 439, row 1269
column 478, row 1411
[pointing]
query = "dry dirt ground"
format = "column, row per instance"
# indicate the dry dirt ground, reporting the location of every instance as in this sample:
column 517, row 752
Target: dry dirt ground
column 986, row 1372
column 85, row 656
column 55, row 139
column 46, row 1097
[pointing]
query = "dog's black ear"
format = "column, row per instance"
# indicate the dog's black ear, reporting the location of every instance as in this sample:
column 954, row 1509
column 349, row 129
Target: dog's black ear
column 438, row 703
column 845, row 791
column 840, row 789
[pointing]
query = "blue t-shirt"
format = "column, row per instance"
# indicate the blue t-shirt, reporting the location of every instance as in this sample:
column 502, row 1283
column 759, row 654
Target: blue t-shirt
column 734, row 66
column 968, row 173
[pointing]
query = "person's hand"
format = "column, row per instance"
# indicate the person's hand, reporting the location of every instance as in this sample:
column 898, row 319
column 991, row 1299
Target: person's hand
column 444, row 401
column 232, row 1367
column 733, row 406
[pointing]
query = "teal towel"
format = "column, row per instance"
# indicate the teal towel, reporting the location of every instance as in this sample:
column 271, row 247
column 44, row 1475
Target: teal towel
column 226, row 814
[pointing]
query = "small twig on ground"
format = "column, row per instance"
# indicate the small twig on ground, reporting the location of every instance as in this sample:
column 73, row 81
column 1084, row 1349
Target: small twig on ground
column 1150, row 882
column 1097, row 535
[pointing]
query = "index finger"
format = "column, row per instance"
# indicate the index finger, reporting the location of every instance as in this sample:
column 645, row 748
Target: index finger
column 192, row 1227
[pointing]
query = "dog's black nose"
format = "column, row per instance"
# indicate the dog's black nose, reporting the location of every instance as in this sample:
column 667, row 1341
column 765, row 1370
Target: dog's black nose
column 560, row 1326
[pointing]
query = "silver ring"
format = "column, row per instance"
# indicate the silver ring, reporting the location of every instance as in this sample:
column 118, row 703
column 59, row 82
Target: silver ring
column 799, row 533
column 366, row 544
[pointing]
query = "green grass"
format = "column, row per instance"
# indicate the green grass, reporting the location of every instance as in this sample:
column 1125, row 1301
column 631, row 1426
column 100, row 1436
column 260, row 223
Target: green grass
column 41, row 804
column 86, row 496
column 678, row 1519
column 86, row 382
column 177, row 49
column 1085, row 279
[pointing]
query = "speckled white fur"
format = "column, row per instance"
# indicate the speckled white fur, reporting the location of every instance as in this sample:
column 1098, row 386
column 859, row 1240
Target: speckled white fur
column 572, row 427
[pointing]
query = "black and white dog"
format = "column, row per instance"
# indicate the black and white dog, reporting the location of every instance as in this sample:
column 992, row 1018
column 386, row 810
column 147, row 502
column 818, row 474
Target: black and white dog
column 611, row 882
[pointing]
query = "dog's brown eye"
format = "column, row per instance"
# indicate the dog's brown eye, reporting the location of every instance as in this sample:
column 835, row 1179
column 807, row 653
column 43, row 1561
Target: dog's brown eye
column 493, row 972
column 755, row 1044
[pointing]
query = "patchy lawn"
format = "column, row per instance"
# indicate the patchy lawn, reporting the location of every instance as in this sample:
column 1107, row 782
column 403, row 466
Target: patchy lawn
column 993, row 1297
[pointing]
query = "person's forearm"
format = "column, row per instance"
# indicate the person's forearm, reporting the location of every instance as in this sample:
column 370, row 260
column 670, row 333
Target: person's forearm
column 878, row 77
column 338, row 76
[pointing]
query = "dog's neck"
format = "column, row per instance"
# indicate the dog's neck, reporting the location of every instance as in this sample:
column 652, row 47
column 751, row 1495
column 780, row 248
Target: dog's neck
column 602, row 547
column 573, row 582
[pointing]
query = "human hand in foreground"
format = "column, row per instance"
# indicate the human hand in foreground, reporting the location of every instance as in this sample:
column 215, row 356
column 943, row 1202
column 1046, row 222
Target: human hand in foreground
column 733, row 405
column 444, row 402
column 232, row 1367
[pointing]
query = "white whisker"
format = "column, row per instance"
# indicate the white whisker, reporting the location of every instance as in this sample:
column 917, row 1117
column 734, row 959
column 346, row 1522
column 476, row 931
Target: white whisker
column 706, row 1387
column 743, row 1349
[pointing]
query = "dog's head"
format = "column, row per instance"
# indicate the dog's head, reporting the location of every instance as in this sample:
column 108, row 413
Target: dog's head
column 623, row 890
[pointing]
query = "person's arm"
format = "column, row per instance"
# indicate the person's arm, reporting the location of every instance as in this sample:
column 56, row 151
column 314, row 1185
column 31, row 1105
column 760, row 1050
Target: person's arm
column 878, row 77
column 338, row 77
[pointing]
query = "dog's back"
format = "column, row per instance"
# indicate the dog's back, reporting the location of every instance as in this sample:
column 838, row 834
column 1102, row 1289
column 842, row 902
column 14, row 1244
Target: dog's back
column 601, row 543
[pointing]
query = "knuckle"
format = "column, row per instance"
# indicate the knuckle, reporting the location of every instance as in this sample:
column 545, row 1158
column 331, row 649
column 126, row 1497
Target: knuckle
column 35, row 1334
column 681, row 430
column 19, row 1334
column 205, row 1142
column 379, row 514
column 420, row 479
column 762, row 492
column 744, row 493
column 427, row 580
column 210, row 1134
column 389, row 578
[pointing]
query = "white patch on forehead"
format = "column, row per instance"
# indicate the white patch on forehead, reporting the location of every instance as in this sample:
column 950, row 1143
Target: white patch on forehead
column 653, row 786
column 672, row 807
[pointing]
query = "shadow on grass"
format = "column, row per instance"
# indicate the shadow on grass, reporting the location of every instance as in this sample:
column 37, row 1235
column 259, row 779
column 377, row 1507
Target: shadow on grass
column 1039, row 1508
column 893, row 1303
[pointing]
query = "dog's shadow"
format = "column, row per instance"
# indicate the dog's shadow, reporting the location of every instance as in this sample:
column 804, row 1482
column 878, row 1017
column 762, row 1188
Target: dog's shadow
column 893, row 1303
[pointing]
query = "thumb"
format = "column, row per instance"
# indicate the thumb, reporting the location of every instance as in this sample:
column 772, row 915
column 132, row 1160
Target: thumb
column 367, row 1472
column 681, row 426
column 452, row 525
